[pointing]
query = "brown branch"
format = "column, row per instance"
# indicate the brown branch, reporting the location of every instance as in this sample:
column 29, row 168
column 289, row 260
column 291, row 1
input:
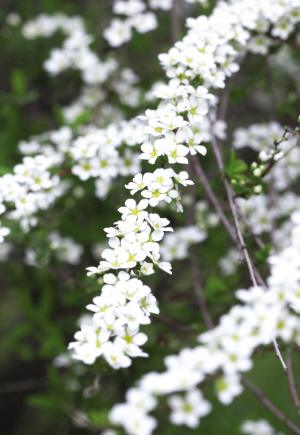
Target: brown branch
column 93, row 389
column 190, row 217
column 215, row 203
column 233, row 209
column 173, row 323
column 271, row 87
column 199, row 290
column 292, row 44
column 212, row 198
column 20, row 386
column 230, row 200
column 292, row 383
column 258, row 240
column 175, row 23
column 269, row 405
column 63, row 172
column 278, row 354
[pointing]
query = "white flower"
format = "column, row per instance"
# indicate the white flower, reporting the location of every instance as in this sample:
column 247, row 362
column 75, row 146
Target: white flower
column 164, row 265
column 259, row 427
column 176, row 154
column 116, row 259
column 146, row 268
column 118, row 32
column 140, row 399
column 150, row 152
column 115, row 357
column 139, row 423
column 228, row 387
column 4, row 231
column 134, row 316
column 99, row 269
column 189, row 409
column 149, row 305
column 139, row 182
column 159, row 225
column 132, row 208
column 145, row 22
column 155, row 195
column 104, row 304
column 182, row 178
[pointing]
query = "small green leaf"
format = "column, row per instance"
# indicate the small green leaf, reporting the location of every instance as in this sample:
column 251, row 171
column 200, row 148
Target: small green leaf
column 236, row 167
column 18, row 82
column 81, row 119
column 43, row 401
column 262, row 255
column 100, row 418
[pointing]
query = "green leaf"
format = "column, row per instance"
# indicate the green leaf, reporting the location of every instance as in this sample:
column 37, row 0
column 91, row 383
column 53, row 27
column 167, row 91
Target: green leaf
column 236, row 167
column 58, row 114
column 43, row 401
column 83, row 118
column 262, row 255
column 18, row 82
column 100, row 418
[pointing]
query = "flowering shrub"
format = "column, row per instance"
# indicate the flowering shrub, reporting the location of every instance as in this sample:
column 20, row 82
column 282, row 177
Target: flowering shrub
column 223, row 208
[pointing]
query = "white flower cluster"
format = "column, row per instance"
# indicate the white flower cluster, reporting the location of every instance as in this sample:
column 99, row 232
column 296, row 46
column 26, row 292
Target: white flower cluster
column 5, row 250
column 75, row 52
column 262, row 218
column 95, row 154
column 207, row 52
column 120, row 31
column 175, row 246
column 92, row 97
column 124, row 305
column 30, row 188
column 36, row 182
column 204, row 217
column 137, row 18
column 65, row 249
column 264, row 316
column 230, row 262
column 259, row 427
column 261, row 137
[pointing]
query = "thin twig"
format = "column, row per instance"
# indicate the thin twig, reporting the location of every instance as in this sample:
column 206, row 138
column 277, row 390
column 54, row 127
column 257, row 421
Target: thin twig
column 233, row 209
column 175, row 23
column 20, row 386
column 199, row 290
column 269, row 405
column 230, row 199
column 63, row 172
column 271, row 87
column 190, row 218
column 271, row 201
column 258, row 240
column 292, row 383
column 278, row 354
column 173, row 323
column 215, row 203
column 93, row 389
column 212, row 198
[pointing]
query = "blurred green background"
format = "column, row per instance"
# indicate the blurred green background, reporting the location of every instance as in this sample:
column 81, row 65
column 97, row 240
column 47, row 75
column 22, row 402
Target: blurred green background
column 39, row 307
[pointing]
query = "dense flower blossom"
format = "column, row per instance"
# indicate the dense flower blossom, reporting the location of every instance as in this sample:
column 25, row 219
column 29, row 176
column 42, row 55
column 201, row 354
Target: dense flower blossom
column 177, row 128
